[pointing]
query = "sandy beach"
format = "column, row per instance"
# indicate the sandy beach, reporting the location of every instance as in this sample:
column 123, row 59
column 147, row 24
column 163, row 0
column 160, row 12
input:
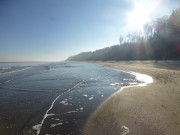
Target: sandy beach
column 145, row 110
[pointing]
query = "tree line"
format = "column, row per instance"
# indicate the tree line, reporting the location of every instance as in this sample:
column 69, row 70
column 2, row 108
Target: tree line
column 160, row 40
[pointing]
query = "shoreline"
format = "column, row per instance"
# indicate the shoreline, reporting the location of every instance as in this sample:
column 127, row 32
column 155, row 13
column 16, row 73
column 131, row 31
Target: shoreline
column 150, row 110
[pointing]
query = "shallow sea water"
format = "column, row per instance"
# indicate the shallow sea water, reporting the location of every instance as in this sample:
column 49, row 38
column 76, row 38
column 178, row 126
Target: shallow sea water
column 54, row 98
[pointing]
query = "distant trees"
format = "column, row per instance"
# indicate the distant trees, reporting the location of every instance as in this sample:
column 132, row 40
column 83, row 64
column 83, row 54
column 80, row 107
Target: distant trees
column 134, row 37
column 174, row 21
column 129, row 37
column 159, row 41
column 121, row 39
column 148, row 30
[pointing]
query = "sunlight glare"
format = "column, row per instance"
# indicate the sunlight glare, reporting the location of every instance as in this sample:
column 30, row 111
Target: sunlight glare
column 138, row 17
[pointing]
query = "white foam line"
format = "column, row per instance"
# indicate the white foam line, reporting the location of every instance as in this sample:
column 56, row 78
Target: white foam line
column 5, row 68
column 22, row 89
column 72, row 112
column 91, row 98
column 77, row 110
column 143, row 78
column 54, row 125
column 38, row 127
column 16, row 70
column 85, row 95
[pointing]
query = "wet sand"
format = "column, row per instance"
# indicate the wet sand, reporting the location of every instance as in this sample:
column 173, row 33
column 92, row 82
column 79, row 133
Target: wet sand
column 145, row 110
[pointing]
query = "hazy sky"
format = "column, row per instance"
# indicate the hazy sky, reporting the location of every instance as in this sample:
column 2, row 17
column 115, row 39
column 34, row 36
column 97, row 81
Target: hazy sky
column 46, row 30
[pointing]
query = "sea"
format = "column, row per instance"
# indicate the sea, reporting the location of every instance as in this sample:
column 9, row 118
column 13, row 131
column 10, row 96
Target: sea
column 54, row 98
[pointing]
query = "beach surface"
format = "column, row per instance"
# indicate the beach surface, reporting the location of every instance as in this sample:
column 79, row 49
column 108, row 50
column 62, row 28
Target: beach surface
column 153, row 109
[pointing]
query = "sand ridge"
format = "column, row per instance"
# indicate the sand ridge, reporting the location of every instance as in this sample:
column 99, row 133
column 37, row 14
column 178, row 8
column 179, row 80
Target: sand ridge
column 150, row 110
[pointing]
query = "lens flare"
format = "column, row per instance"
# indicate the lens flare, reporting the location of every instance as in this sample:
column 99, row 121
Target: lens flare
column 138, row 16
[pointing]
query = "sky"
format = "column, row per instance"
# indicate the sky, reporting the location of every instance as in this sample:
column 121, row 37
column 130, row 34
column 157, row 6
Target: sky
column 53, row 30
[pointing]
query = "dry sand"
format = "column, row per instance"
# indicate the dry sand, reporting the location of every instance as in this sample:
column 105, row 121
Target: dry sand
column 146, row 110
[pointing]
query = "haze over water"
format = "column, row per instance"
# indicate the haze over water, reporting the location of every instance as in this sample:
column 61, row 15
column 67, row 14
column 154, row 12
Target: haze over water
column 53, row 98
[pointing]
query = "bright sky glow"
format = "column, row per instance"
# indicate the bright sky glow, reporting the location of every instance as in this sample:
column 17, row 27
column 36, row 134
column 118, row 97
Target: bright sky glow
column 138, row 16
column 52, row 30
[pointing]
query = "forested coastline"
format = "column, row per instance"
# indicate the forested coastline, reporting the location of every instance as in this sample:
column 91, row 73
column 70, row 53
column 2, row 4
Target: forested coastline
column 160, row 40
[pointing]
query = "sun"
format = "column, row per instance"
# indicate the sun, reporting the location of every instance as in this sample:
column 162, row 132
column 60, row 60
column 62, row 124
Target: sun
column 138, row 17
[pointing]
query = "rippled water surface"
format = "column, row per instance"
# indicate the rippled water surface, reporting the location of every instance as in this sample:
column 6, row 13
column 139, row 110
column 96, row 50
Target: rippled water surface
column 53, row 98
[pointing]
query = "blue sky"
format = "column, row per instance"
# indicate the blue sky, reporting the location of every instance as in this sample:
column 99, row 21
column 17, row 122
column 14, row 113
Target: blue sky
column 52, row 30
